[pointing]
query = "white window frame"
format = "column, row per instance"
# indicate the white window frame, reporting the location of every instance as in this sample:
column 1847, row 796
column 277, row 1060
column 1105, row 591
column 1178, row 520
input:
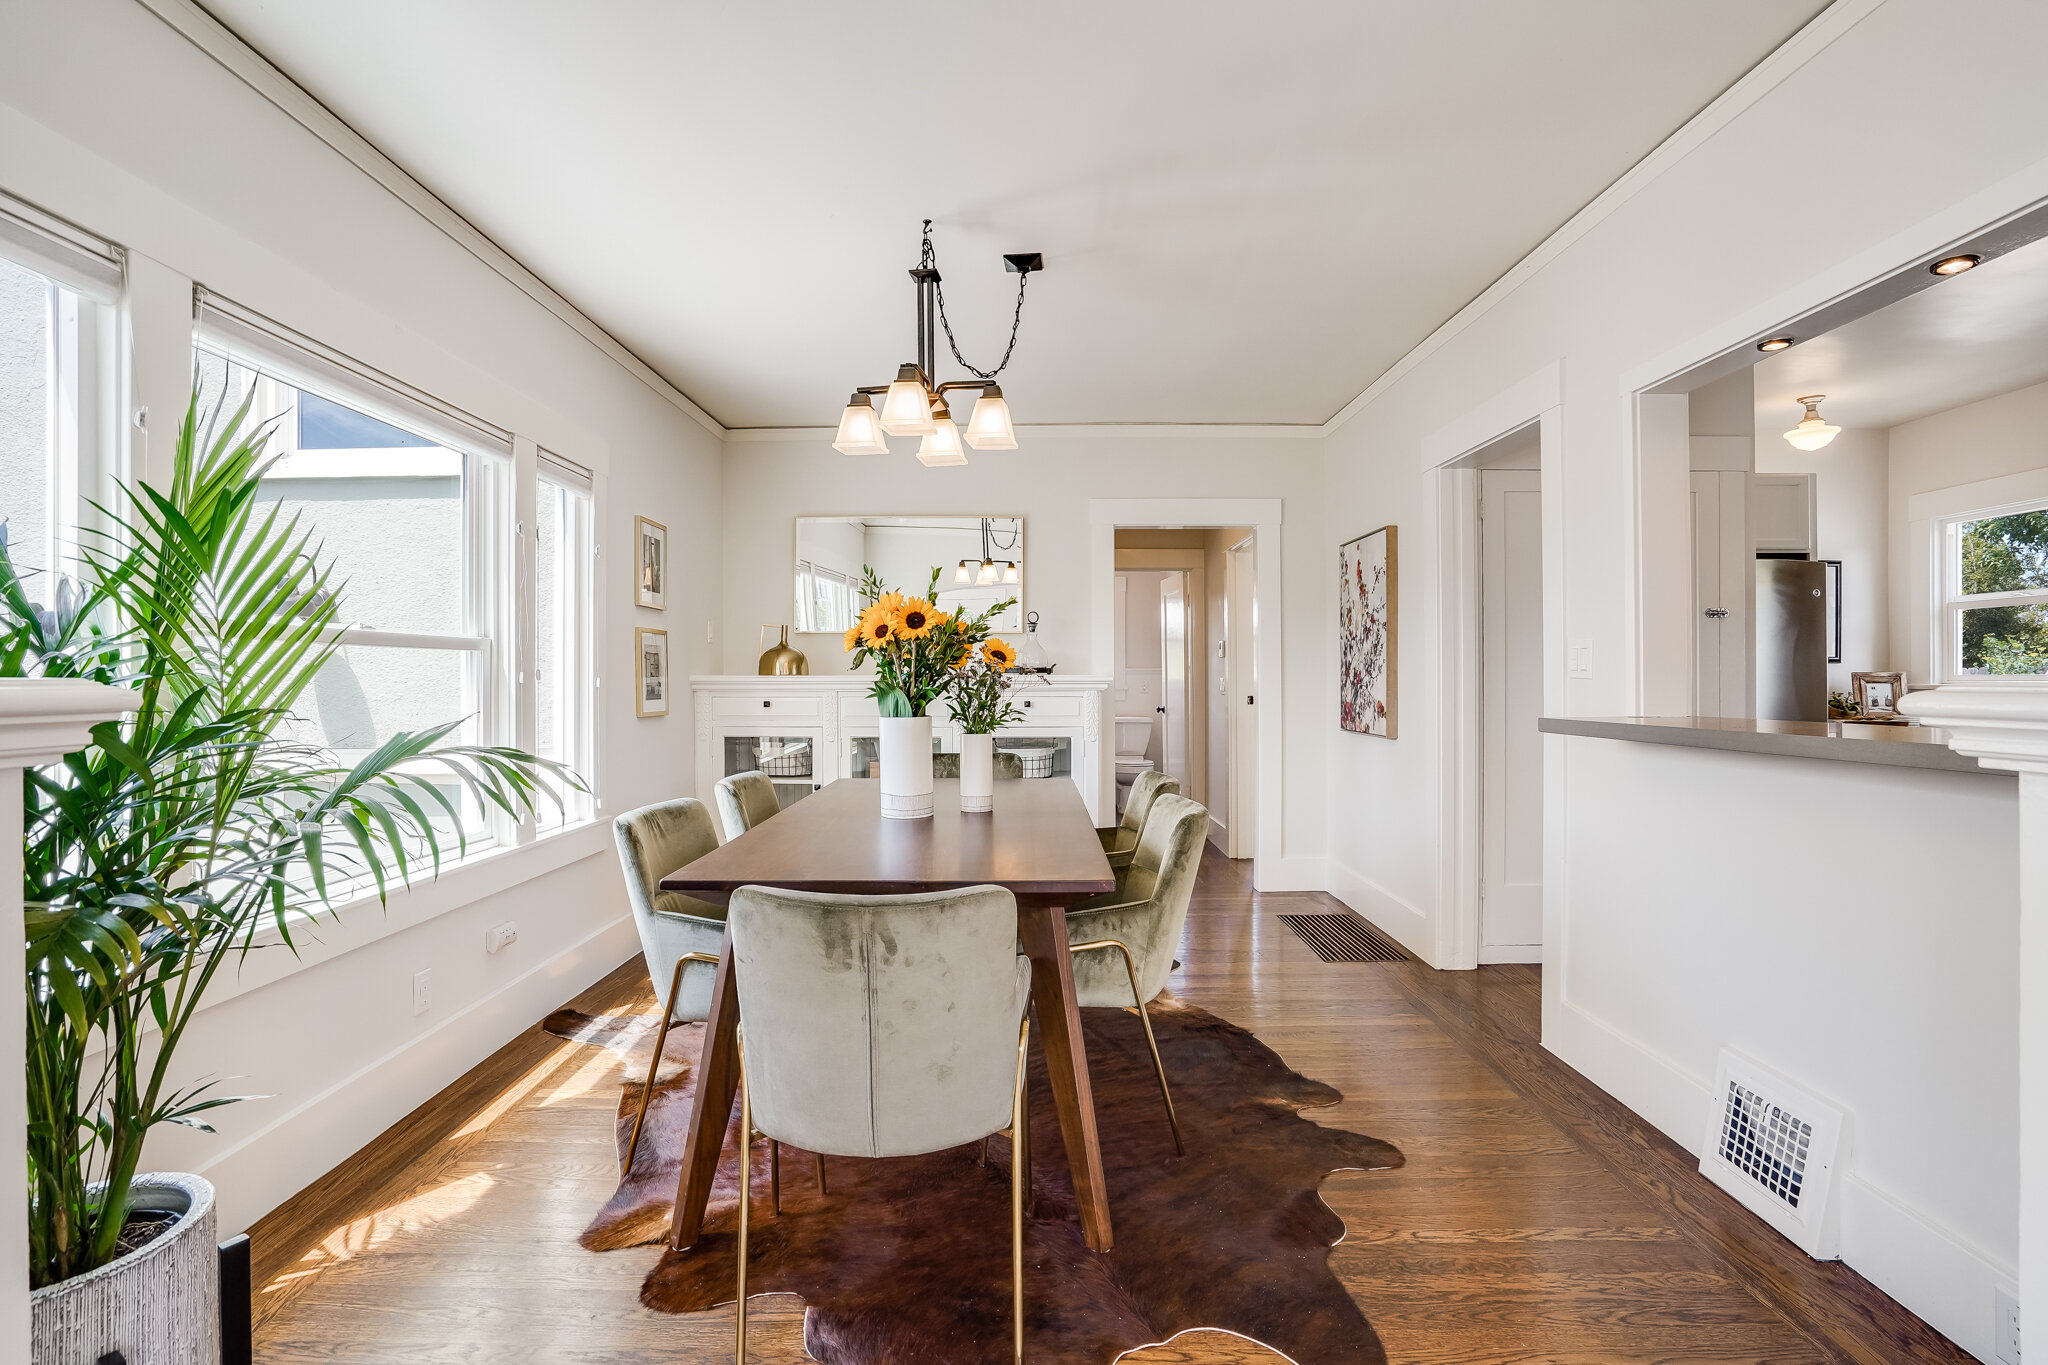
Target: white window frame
column 1954, row 601
column 575, row 629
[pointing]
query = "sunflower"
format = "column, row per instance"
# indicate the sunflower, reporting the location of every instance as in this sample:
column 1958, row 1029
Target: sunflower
column 914, row 619
column 853, row 637
column 999, row 655
column 876, row 629
column 889, row 603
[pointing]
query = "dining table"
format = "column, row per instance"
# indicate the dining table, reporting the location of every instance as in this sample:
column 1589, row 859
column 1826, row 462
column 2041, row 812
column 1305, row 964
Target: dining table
column 1038, row 842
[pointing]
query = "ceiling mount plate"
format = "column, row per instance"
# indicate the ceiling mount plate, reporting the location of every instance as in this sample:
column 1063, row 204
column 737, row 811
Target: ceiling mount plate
column 1023, row 262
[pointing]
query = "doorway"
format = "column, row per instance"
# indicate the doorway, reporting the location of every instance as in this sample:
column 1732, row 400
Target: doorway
column 1158, row 689
column 1511, row 688
column 1240, row 688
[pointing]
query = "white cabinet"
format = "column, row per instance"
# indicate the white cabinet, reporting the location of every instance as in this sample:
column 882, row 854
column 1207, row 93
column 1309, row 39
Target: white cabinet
column 806, row 731
column 1783, row 513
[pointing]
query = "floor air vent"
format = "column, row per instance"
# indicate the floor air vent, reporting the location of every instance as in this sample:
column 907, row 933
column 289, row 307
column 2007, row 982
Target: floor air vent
column 1776, row 1147
column 1345, row 938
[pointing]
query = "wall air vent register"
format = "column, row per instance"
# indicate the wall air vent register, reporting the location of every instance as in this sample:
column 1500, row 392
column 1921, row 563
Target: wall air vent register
column 1776, row 1147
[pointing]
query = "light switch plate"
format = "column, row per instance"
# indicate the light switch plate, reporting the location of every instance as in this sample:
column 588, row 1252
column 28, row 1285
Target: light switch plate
column 1579, row 658
column 421, row 982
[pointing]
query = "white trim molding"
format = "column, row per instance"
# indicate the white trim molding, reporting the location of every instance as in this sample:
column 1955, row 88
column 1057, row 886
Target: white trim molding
column 2007, row 728
column 41, row 720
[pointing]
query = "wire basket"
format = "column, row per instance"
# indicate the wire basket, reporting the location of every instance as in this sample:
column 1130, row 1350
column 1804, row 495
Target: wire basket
column 1036, row 755
column 793, row 760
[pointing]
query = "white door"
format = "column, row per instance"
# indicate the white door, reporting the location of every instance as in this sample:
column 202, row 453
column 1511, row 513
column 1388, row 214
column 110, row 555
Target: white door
column 1511, row 641
column 1173, row 709
column 1721, row 587
column 1241, row 654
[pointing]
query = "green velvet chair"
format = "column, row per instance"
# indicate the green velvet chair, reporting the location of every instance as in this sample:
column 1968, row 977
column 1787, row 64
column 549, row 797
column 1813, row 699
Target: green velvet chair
column 1120, row 841
column 745, row 800
column 1123, row 942
column 680, row 936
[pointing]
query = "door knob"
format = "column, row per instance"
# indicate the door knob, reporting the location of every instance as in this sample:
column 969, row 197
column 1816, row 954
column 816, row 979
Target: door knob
column 1717, row 612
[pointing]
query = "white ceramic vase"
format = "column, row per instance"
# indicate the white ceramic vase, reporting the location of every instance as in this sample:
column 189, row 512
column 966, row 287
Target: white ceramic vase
column 158, row 1305
column 906, row 751
column 977, row 772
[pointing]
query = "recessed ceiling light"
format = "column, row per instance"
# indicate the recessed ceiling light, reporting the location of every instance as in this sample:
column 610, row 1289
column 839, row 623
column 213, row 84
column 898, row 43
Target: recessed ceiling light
column 1955, row 265
column 1774, row 344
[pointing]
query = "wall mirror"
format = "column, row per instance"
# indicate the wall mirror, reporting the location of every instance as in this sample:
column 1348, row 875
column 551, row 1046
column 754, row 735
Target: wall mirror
column 980, row 562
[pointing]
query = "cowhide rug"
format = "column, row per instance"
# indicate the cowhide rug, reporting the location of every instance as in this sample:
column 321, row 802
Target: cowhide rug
column 909, row 1260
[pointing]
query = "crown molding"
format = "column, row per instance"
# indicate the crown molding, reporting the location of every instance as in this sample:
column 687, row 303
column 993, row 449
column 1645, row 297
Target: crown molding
column 1080, row 431
column 1767, row 75
column 253, row 69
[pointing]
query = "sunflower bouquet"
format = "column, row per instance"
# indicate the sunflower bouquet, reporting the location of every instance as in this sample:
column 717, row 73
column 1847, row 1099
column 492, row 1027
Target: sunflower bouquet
column 920, row 652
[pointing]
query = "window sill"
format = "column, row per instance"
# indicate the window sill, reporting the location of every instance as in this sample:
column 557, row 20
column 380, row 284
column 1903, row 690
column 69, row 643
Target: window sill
column 361, row 921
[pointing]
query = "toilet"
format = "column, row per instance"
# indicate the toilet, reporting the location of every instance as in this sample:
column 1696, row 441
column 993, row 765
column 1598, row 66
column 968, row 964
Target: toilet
column 1133, row 738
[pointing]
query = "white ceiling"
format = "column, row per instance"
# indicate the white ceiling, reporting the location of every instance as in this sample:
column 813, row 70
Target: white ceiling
column 1964, row 338
column 1248, row 211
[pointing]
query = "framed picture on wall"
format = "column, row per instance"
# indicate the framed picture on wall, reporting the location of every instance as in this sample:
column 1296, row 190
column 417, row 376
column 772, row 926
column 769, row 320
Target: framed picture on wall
column 650, row 647
column 1878, row 693
column 1368, row 581
column 1834, row 568
column 650, row 564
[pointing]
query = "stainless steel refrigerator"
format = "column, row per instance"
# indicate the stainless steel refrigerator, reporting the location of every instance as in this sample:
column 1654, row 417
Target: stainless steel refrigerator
column 1791, row 639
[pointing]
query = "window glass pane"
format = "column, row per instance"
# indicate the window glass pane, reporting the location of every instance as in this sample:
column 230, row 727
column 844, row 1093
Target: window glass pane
column 368, row 693
column 547, row 623
column 2006, row 554
column 24, row 422
column 386, row 513
column 562, row 671
column 2006, row 640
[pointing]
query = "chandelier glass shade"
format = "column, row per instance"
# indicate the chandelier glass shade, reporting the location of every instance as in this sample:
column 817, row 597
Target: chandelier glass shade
column 988, row 569
column 914, row 404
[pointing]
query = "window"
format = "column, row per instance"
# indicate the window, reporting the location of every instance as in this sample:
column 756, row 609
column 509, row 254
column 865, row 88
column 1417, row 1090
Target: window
column 564, row 709
column 55, row 328
column 826, row 600
column 1994, row 618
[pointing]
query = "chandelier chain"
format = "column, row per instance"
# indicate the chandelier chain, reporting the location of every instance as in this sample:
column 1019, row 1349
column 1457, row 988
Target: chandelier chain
column 929, row 261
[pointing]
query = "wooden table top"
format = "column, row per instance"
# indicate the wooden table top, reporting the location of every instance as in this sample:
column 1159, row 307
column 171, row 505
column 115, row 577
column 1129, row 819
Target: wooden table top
column 1038, row 842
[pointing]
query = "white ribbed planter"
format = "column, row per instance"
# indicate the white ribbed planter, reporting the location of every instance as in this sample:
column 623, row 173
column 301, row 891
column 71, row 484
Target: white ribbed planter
column 159, row 1305
column 907, row 767
column 977, row 773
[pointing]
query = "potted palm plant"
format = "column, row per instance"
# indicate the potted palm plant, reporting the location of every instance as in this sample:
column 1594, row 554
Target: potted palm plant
column 917, row 649
column 158, row 852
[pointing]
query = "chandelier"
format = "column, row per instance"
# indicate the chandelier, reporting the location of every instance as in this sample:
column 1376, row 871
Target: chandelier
column 914, row 405
column 988, row 569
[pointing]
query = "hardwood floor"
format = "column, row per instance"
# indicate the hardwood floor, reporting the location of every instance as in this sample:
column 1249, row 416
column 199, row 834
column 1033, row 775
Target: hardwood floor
column 1536, row 1220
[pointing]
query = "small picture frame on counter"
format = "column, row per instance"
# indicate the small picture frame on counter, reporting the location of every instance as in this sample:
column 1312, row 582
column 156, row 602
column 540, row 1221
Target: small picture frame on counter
column 1878, row 693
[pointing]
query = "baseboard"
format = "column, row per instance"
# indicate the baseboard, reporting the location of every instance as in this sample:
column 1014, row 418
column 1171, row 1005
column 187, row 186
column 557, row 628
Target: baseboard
column 1219, row 835
column 1514, row 952
column 1386, row 911
column 1943, row 1277
column 1288, row 874
column 272, row 1164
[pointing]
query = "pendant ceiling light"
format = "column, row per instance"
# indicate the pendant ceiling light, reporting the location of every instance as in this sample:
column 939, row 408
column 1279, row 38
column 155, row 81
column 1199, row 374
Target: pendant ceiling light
column 913, row 404
column 1812, row 433
column 988, row 569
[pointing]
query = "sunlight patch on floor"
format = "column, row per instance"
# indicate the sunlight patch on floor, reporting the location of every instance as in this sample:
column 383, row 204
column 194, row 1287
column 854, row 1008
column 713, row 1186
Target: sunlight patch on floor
column 380, row 1229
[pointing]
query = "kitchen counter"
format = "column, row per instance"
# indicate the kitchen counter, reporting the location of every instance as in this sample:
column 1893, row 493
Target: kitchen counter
column 1895, row 746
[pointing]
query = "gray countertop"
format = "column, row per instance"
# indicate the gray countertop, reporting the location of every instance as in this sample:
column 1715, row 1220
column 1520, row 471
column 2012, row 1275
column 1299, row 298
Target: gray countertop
column 1895, row 746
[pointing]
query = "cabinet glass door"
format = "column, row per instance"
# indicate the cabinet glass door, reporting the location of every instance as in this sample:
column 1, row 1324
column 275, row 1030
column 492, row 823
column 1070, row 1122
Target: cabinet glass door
column 1041, row 755
column 787, row 760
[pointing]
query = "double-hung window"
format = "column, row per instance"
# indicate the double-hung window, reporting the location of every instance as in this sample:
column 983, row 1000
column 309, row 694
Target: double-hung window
column 57, row 433
column 412, row 502
column 1994, row 612
column 825, row 598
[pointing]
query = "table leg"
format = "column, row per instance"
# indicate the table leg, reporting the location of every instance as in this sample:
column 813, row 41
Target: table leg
column 718, row 1078
column 1043, row 931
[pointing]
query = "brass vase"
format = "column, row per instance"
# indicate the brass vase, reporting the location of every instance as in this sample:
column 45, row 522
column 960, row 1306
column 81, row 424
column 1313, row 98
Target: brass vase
column 779, row 660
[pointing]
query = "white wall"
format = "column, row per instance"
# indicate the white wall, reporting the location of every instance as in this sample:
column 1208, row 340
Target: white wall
column 1989, row 439
column 110, row 119
column 1050, row 481
column 1852, row 476
column 1724, row 242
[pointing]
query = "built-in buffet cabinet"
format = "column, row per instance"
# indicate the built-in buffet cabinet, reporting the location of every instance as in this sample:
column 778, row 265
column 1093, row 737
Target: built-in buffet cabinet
column 806, row 731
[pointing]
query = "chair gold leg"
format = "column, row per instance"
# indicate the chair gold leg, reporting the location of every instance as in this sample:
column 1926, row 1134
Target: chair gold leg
column 746, row 1204
column 819, row 1157
column 775, row 1175
column 668, row 1016
column 1151, row 1043
column 1019, row 1137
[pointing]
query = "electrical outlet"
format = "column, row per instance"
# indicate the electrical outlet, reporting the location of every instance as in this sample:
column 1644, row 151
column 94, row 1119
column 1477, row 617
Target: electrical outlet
column 2007, row 1309
column 707, row 632
column 499, row 935
column 1579, row 659
column 421, row 981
